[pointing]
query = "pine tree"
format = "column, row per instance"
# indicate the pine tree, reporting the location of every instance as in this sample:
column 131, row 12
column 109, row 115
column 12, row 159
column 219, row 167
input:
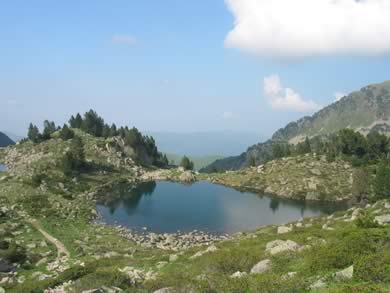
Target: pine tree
column 74, row 159
column 33, row 133
column 113, row 131
column 49, row 127
column 78, row 121
column 186, row 163
column 106, row 131
column 66, row 133
column 382, row 180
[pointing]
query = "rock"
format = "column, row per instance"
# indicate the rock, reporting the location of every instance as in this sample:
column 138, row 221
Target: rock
column 211, row 248
column 278, row 246
column 284, row 229
column 318, row 284
column 345, row 274
column 326, row 227
column 164, row 290
column 382, row 220
column 173, row 257
column 187, row 177
column 299, row 225
column 261, row 267
column 41, row 262
column 312, row 195
column 315, row 172
column 387, row 205
column 238, row 274
column 2, row 290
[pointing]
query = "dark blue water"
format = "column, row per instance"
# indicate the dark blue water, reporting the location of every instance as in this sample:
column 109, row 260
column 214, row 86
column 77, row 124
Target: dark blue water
column 166, row 207
column 3, row 168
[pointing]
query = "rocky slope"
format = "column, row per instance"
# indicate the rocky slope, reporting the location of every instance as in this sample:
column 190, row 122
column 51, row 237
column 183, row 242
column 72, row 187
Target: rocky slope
column 305, row 177
column 5, row 140
column 364, row 110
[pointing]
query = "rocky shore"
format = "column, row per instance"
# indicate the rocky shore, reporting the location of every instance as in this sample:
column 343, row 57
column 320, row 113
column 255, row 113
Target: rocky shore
column 169, row 241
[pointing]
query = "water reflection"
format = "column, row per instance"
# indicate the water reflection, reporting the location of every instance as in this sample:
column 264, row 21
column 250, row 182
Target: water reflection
column 168, row 207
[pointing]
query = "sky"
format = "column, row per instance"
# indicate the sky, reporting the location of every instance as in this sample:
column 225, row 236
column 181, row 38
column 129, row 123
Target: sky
column 187, row 66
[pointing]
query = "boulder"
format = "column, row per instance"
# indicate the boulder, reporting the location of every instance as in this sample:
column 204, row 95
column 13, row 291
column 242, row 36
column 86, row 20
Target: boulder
column 284, row 229
column 164, row 290
column 238, row 274
column 345, row 274
column 187, row 177
column 278, row 246
column 318, row 284
column 382, row 220
column 261, row 267
column 173, row 257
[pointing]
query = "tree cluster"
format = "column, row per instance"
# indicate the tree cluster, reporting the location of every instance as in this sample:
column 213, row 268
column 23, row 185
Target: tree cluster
column 74, row 159
column 186, row 163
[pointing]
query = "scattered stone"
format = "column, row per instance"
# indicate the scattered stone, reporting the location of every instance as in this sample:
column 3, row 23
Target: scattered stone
column 173, row 257
column 278, row 246
column 261, row 267
column 326, row 227
column 238, row 275
column 284, row 229
column 383, row 220
column 345, row 274
column 318, row 284
column 164, row 290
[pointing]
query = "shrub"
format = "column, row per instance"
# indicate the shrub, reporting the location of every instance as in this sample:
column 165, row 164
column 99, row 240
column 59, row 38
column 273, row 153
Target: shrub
column 366, row 221
column 374, row 267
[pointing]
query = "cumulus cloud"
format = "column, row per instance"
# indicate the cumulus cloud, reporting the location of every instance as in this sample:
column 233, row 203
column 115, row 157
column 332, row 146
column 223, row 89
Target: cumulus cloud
column 286, row 98
column 123, row 39
column 339, row 95
column 299, row 28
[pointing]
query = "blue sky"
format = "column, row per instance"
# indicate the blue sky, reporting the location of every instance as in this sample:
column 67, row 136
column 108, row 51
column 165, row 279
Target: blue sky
column 164, row 66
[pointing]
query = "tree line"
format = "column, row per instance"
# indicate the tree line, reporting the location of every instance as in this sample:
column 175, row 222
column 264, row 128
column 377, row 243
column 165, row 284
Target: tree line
column 94, row 125
column 370, row 155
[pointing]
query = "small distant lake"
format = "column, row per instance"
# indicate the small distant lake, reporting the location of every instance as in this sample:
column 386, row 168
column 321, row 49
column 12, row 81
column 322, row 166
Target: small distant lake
column 3, row 168
column 166, row 207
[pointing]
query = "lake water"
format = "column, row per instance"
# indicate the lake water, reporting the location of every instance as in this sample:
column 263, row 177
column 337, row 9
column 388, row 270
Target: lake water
column 3, row 168
column 166, row 207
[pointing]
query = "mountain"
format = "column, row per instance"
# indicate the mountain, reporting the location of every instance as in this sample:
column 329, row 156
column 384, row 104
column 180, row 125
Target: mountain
column 5, row 140
column 14, row 137
column 200, row 144
column 363, row 111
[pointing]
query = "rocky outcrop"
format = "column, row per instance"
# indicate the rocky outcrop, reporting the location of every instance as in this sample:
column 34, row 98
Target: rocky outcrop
column 261, row 267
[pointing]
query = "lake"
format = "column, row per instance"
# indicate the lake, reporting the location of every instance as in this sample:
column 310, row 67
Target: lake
column 3, row 168
column 166, row 207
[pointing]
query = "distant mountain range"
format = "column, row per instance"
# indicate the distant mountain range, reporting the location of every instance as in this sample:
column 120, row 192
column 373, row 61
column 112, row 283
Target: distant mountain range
column 201, row 144
column 5, row 140
column 14, row 137
column 364, row 111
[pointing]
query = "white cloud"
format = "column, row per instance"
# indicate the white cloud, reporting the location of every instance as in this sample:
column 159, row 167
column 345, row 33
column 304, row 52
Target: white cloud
column 339, row 95
column 124, row 39
column 299, row 28
column 286, row 98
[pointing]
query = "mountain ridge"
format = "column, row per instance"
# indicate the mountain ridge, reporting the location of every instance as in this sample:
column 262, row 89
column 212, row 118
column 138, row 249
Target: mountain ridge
column 365, row 110
column 5, row 140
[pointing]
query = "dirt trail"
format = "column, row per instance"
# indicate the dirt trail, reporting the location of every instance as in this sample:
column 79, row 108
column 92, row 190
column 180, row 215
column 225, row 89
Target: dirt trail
column 61, row 249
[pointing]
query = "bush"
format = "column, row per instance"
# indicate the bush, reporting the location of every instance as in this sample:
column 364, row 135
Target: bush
column 37, row 179
column 343, row 252
column 366, row 221
column 374, row 267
